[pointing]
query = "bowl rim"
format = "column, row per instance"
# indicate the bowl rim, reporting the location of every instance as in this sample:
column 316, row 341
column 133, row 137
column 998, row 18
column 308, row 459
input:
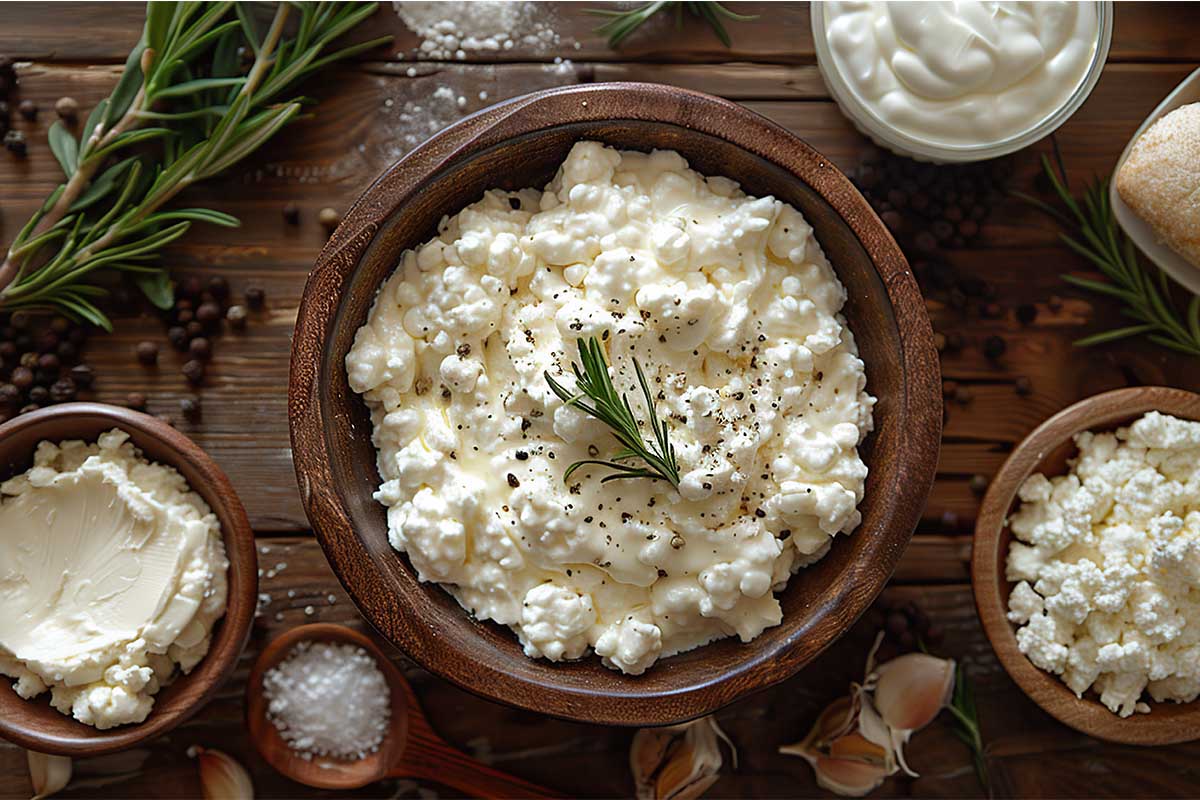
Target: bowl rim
column 226, row 647
column 919, row 402
column 1173, row 723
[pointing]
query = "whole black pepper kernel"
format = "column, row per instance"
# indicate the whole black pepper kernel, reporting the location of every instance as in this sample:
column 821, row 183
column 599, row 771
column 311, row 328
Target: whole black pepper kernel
column 190, row 406
column 184, row 316
column 979, row 484
column 1023, row 386
column 512, row 481
column 953, row 214
column 39, row 395
column 67, row 351
column 21, row 320
column 949, row 388
column 29, row 360
column 949, row 521
column 514, row 203
column 61, row 325
column 82, row 375
column 958, row 298
column 191, row 287
column 898, row 198
column 1026, row 313
column 208, row 314
column 67, row 108
column 8, row 351
column 147, row 353
column 193, row 370
column 255, row 297
column 236, row 317
column 991, row 311
column 47, row 342
column 28, row 109
column 184, row 304
column 994, row 347
column 291, row 214
column 200, row 348
column 49, row 361
column 178, row 337
column 193, row 329
column 962, row 395
column 136, row 401
column 44, row 377
column 62, row 390
column 9, row 394
column 218, row 287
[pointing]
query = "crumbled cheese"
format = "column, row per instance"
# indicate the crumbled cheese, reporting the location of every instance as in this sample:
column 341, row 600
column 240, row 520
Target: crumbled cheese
column 329, row 700
column 1108, row 565
column 734, row 313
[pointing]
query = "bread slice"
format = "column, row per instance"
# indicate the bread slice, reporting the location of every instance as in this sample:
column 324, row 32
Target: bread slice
column 1160, row 180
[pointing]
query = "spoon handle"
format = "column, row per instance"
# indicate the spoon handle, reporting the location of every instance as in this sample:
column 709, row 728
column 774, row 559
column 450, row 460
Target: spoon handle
column 430, row 758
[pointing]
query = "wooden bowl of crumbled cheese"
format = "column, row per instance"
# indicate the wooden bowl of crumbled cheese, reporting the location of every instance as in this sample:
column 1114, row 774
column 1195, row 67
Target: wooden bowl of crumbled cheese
column 128, row 578
column 512, row 524
column 1086, row 565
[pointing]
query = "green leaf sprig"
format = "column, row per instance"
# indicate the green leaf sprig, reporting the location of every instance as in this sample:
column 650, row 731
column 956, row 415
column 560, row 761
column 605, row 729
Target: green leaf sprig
column 962, row 708
column 183, row 110
column 623, row 22
column 596, row 396
column 1093, row 232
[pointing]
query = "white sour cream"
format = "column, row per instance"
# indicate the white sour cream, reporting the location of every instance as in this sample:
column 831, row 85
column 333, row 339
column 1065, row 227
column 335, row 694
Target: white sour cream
column 734, row 313
column 112, row 573
column 962, row 73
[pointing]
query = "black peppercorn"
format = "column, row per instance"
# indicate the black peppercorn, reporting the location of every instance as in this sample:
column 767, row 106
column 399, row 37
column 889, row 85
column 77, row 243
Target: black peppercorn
column 62, row 390
column 949, row 388
column 67, row 351
column 82, row 375
column 45, row 377
column 14, row 142
column 184, row 316
column 136, row 401
column 208, row 314
column 1023, row 386
column 255, row 297
column 191, row 287
column 218, row 287
column 48, row 361
column 291, row 214
column 200, row 348
column 147, row 353
column 61, row 325
column 39, row 395
column 190, row 406
column 962, row 395
column 9, row 394
column 236, row 316
column 979, row 484
column 994, row 347
column 194, row 371
column 28, row 109
column 1026, row 313
column 194, row 329
column 178, row 337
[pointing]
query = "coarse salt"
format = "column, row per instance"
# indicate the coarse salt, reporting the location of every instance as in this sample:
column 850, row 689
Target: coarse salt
column 328, row 700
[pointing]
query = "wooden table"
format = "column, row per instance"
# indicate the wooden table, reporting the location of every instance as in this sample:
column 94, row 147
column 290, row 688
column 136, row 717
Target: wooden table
column 76, row 49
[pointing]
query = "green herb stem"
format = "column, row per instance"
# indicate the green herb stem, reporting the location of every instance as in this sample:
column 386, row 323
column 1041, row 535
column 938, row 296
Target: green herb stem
column 623, row 22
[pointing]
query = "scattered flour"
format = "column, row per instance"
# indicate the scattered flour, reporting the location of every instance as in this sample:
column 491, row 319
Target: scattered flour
column 451, row 30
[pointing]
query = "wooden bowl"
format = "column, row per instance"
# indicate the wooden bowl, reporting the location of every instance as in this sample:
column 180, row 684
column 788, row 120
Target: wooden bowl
column 1047, row 450
column 35, row 724
column 519, row 144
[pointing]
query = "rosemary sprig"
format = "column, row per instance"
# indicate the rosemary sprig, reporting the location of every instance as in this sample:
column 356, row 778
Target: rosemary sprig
column 183, row 111
column 966, row 719
column 592, row 383
column 623, row 22
column 1145, row 291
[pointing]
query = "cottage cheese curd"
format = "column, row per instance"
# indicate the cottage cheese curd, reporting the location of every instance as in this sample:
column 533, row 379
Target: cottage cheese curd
column 730, row 306
column 112, row 573
column 1108, row 565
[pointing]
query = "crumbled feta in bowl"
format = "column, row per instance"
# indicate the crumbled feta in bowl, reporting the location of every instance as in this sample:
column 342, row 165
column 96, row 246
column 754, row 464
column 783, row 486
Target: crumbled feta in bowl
column 731, row 307
column 1106, row 565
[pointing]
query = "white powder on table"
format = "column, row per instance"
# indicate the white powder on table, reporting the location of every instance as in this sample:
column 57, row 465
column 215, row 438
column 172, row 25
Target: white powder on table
column 328, row 700
column 451, row 30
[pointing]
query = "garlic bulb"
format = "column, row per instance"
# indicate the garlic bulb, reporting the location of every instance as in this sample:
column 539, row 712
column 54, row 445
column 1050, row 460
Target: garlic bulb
column 48, row 774
column 858, row 740
column 222, row 777
column 679, row 762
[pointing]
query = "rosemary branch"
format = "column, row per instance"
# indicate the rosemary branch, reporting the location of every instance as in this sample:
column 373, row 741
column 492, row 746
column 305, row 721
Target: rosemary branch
column 966, row 719
column 1092, row 231
column 592, row 383
column 623, row 22
column 182, row 111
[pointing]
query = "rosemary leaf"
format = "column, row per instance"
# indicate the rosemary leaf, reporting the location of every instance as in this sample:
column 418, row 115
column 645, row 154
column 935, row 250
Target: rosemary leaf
column 622, row 23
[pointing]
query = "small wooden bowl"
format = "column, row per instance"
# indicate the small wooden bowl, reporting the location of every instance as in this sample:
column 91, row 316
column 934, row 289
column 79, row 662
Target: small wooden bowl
column 520, row 144
column 35, row 724
column 1047, row 450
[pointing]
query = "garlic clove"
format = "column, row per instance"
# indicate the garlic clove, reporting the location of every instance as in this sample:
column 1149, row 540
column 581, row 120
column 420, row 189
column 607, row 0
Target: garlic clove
column 48, row 774
column 913, row 689
column 679, row 762
column 838, row 719
column 222, row 777
column 848, row 777
column 855, row 745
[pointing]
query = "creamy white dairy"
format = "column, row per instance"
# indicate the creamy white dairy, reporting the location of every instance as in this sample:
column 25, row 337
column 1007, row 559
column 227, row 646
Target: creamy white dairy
column 1108, row 566
column 112, row 574
column 734, row 313
column 964, row 72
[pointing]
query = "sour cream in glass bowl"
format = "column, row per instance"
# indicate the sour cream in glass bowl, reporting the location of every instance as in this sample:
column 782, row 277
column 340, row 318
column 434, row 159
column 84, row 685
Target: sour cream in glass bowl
column 960, row 81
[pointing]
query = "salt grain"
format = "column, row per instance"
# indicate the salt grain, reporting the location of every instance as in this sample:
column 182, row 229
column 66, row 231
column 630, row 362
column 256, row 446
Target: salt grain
column 451, row 30
column 328, row 700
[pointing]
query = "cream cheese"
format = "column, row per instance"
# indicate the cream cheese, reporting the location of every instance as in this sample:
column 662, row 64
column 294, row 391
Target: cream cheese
column 730, row 306
column 112, row 573
column 965, row 72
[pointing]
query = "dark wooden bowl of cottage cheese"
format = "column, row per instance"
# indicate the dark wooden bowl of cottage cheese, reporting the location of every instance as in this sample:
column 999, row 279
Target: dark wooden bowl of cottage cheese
column 520, row 144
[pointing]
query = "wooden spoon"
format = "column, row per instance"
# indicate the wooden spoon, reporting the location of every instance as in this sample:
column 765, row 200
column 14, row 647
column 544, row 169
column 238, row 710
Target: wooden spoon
column 409, row 750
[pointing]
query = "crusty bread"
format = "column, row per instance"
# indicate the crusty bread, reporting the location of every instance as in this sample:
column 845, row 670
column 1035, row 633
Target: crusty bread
column 1160, row 180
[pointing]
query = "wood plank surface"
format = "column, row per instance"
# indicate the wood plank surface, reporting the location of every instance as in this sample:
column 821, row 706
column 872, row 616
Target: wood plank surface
column 366, row 118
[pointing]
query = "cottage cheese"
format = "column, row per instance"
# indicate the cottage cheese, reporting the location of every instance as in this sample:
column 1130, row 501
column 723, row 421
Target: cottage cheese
column 112, row 574
column 1108, row 565
column 734, row 313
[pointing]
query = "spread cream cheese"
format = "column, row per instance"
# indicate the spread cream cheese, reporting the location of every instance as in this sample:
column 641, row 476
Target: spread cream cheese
column 731, row 308
column 1107, row 564
column 965, row 72
column 112, row 573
